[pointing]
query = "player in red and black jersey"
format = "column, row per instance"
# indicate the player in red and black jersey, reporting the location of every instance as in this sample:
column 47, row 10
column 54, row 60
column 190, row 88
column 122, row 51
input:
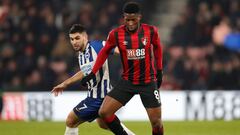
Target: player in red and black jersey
column 142, row 74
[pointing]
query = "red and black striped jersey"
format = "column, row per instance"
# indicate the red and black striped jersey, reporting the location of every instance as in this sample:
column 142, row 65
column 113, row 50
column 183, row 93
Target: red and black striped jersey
column 136, row 51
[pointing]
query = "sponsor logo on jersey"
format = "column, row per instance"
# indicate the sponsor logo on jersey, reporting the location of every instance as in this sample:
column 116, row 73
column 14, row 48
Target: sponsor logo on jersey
column 86, row 68
column 134, row 54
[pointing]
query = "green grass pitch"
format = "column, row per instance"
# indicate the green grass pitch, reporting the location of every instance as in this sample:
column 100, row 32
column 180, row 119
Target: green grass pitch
column 140, row 128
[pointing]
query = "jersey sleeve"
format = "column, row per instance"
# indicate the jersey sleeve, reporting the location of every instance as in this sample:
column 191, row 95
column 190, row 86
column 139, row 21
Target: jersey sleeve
column 112, row 51
column 105, row 51
column 97, row 45
column 157, row 48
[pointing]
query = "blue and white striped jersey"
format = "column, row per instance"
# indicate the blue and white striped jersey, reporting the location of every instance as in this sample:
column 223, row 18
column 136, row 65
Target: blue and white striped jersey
column 100, row 85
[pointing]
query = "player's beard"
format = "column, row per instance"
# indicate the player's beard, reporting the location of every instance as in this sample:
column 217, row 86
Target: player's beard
column 81, row 48
column 132, row 29
column 78, row 47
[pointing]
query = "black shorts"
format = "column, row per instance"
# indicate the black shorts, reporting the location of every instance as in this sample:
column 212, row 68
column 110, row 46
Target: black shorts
column 125, row 90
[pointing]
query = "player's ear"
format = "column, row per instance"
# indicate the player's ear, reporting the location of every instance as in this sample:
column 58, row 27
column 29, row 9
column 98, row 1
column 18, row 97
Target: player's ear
column 124, row 16
column 139, row 17
column 85, row 35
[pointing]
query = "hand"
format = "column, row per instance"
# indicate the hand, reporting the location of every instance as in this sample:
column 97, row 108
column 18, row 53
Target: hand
column 86, row 79
column 58, row 89
column 159, row 78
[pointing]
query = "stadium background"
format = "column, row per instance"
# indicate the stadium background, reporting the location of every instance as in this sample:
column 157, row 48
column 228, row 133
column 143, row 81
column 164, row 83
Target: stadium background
column 201, row 45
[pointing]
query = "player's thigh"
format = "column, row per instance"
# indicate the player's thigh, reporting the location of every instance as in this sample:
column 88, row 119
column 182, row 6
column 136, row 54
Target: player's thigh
column 109, row 106
column 119, row 95
column 72, row 120
column 116, row 98
column 101, row 123
column 87, row 109
column 150, row 96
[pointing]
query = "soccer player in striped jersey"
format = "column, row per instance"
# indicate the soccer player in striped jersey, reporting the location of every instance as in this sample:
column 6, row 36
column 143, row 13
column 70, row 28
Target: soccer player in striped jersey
column 87, row 109
column 137, row 43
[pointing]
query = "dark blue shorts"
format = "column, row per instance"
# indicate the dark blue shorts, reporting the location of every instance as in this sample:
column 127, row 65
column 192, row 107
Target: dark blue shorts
column 88, row 108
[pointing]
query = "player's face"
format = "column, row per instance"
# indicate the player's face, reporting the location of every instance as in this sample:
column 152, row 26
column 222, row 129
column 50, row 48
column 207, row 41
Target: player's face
column 78, row 41
column 132, row 21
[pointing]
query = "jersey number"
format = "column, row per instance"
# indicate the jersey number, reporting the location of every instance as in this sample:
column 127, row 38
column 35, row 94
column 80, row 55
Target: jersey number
column 157, row 95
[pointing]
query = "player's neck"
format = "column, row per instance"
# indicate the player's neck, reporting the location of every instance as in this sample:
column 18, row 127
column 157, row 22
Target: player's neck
column 135, row 30
column 85, row 46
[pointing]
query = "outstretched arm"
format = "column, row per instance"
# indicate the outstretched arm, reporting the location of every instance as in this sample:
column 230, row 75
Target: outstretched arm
column 59, row 88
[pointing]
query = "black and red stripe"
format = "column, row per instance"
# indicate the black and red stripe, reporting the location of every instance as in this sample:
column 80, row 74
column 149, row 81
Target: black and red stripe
column 153, row 70
column 139, row 71
column 142, row 63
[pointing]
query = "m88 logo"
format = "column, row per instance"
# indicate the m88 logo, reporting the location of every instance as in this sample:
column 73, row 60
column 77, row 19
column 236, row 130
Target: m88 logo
column 133, row 54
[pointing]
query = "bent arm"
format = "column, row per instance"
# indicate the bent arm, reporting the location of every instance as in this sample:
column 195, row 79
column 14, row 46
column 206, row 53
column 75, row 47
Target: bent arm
column 60, row 87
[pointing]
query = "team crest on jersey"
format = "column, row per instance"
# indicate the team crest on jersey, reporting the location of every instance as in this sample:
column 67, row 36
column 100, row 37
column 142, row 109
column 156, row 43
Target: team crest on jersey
column 125, row 43
column 87, row 54
column 144, row 40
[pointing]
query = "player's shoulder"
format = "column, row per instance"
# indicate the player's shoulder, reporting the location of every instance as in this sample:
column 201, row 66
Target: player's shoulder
column 97, row 45
column 117, row 29
column 96, row 42
column 148, row 26
column 152, row 28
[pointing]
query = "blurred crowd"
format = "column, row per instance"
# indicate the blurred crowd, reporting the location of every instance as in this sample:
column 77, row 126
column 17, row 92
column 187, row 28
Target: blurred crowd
column 35, row 53
column 200, row 55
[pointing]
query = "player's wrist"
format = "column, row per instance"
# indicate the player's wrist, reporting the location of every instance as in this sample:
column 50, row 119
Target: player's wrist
column 159, row 73
column 65, row 84
column 92, row 74
column 159, row 78
column 86, row 79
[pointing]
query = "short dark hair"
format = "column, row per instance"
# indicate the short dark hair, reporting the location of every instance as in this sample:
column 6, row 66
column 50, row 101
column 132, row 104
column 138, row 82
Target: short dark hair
column 77, row 28
column 131, row 8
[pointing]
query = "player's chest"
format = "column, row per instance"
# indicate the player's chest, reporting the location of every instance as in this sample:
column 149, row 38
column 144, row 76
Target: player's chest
column 133, row 41
column 134, row 46
column 87, row 57
column 86, row 61
column 86, row 67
